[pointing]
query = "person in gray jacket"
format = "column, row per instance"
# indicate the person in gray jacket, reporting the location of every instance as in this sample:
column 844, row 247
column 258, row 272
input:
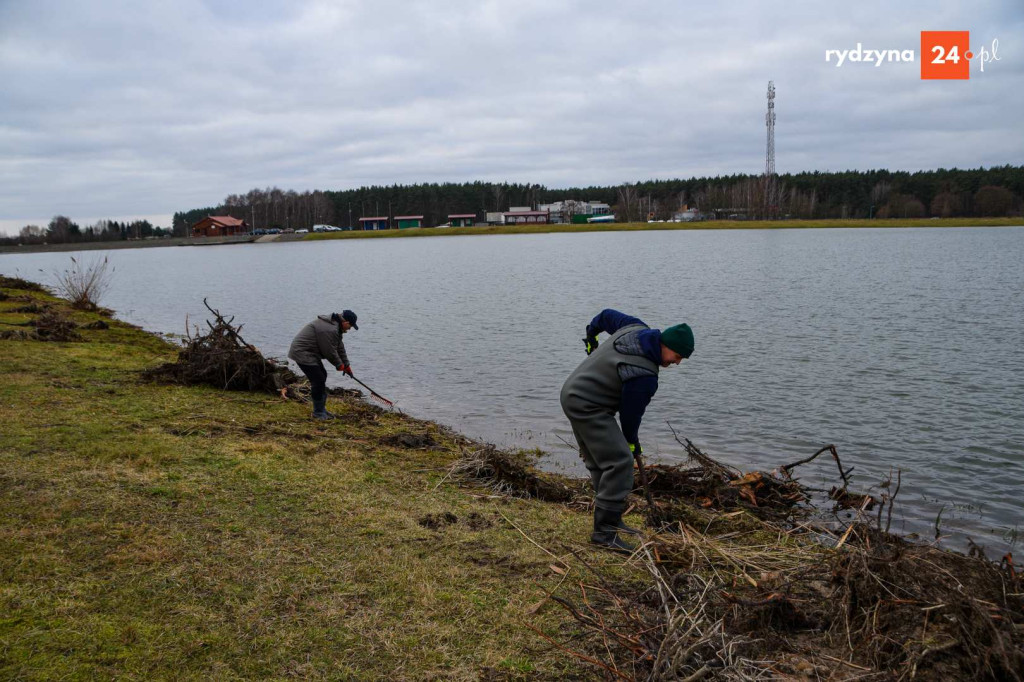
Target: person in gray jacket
column 321, row 340
column 620, row 376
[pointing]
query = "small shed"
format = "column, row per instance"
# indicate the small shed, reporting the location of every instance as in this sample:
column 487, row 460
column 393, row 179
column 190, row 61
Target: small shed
column 219, row 226
column 376, row 223
column 461, row 219
column 407, row 221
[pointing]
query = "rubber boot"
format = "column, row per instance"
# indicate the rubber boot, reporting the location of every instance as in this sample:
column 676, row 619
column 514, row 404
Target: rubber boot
column 623, row 528
column 319, row 409
column 607, row 525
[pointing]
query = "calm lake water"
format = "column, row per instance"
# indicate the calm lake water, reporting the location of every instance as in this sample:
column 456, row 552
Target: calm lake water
column 904, row 347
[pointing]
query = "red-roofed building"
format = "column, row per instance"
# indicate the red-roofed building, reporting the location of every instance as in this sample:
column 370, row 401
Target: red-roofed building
column 219, row 226
column 461, row 219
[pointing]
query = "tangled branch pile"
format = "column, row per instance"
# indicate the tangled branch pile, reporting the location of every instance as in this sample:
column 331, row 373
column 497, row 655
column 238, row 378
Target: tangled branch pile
column 50, row 325
column 53, row 326
column 676, row 490
column 514, row 473
column 742, row 586
column 742, row 589
column 221, row 358
column 712, row 485
column 743, row 608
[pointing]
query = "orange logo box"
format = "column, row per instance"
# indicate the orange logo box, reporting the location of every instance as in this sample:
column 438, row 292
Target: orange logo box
column 945, row 55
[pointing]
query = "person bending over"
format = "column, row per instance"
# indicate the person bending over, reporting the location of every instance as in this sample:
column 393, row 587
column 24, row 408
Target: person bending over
column 322, row 340
column 618, row 376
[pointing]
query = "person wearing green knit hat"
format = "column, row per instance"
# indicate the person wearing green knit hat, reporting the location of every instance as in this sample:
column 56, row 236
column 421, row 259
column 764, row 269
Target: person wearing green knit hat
column 679, row 339
column 620, row 376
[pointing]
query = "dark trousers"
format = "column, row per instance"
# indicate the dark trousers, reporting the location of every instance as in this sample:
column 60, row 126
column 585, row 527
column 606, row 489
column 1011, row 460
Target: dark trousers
column 317, row 376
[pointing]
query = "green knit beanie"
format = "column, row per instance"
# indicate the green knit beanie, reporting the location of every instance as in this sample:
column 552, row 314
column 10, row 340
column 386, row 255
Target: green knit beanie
column 679, row 338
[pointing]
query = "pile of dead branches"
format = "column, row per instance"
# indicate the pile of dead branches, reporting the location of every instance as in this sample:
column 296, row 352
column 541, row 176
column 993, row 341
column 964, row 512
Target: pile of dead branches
column 739, row 595
column 50, row 325
column 917, row 607
column 221, row 358
column 743, row 609
column 53, row 326
column 32, row 308
column 710, row 484
column 744, row 586
column 674, row 489
column 514, row 473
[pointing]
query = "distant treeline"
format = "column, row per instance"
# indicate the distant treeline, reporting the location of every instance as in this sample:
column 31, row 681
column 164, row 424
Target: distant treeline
column 63, row 230
column 850, row 194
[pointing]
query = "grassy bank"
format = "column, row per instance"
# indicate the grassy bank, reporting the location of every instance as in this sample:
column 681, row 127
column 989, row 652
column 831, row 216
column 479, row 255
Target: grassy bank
column 634, row 227
column 156, row 531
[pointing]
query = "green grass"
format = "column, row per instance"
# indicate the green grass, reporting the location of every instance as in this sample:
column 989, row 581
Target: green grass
column 157, row 532
column 633, row 227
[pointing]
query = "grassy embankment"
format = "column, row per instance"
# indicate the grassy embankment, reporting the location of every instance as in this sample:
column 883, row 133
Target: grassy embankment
column 636, row 227
column 154, row 531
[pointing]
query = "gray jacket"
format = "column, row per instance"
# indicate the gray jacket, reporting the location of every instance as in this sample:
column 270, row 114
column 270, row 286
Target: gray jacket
column 319, row 340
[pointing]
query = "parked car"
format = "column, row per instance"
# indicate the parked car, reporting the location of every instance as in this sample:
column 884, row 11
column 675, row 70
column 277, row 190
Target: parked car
column 274, row 230
column 302, row 231
column 259, row 232
column 287, row 230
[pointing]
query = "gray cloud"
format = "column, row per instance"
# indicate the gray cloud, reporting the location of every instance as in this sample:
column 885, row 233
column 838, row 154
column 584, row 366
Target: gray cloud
column 112, row 112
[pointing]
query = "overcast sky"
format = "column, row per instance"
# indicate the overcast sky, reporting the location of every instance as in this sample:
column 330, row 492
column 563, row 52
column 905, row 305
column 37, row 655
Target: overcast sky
column 109, row 110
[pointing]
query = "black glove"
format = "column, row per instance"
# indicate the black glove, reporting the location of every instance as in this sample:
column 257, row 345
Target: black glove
column 590, row 341
column 636, row 449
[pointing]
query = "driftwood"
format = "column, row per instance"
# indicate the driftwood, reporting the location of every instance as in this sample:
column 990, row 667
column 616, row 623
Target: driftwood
column 835, row 455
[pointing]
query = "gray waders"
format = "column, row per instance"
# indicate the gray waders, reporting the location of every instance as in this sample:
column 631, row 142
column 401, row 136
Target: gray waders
column 590, row 398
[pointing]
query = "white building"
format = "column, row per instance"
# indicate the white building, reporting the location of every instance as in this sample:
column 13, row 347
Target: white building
column 687, row 215
column 564, row 211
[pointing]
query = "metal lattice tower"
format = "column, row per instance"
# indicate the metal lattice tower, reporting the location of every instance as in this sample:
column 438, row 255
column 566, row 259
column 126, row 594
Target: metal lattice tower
column 769, row 120
column 770, row 183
